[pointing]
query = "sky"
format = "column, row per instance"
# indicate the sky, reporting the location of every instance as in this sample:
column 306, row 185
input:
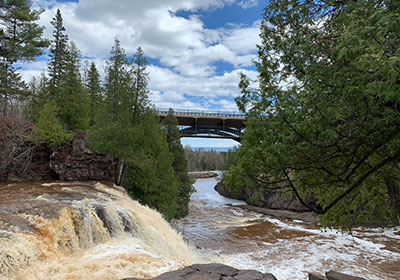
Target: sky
column 196, row 48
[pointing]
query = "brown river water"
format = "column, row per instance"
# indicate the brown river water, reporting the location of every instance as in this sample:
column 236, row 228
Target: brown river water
column 93, row 231
column 288, row 249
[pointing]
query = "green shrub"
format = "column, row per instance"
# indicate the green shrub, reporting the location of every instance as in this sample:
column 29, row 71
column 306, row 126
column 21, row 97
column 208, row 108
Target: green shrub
column 48, row 129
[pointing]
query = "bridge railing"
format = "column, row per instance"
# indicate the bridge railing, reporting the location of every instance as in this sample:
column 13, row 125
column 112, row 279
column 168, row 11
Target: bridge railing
column 203, row 113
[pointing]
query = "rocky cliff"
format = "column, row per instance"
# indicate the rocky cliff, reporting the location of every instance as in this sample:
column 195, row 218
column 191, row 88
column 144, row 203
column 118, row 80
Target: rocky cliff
column 266, row 199
column 21, row 159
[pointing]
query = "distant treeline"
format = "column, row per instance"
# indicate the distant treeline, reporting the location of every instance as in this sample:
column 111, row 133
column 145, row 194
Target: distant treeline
column 202, row 160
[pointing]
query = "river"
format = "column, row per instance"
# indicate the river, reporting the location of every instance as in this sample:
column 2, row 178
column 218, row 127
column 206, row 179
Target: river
column 288, row 249
column 90, row 231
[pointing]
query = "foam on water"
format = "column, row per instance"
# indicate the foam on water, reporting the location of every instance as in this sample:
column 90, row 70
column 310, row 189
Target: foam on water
column 288, row 249
column 102, row 234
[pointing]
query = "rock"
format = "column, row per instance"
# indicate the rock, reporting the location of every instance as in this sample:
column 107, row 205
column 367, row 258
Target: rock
column 23, row 160
column 203, row 174
column 254, row 275
column 212, row 272
column 75, row 162
column 333, row 275
column 20, row 159
column 271, row 200
column 314, row 276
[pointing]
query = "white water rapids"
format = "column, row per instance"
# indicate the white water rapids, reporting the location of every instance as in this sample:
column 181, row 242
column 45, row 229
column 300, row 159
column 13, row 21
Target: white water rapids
column 92, row 231
column 287, row 249
column 84, row 231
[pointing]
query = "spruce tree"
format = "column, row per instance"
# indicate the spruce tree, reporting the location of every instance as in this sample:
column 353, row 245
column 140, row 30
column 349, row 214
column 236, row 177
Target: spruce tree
column 58, row 54
column 93, row 87
column 72, row 98
column 20, row 40
column 118, row 83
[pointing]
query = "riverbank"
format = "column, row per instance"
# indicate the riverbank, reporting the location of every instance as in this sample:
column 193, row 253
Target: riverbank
column 203, row 174
column 307, row 218
column 92, row 231
column 286, row 247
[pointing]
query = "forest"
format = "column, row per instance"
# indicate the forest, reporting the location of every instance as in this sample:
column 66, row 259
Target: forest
column 116, row 111
column 204, row 160
column 324, row 118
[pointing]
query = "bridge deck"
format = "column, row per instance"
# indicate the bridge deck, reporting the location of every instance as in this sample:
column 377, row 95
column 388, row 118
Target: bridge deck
column 205, row 114
column 208, row 124
column 207, row 118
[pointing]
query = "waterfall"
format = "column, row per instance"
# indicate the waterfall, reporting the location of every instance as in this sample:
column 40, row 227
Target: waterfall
column 84, row 231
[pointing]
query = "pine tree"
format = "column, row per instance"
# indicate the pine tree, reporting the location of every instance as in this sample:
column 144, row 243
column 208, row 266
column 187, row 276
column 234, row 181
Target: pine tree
column 20, row 40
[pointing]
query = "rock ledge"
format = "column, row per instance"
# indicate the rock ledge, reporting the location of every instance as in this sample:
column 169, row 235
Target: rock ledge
column 212, row 272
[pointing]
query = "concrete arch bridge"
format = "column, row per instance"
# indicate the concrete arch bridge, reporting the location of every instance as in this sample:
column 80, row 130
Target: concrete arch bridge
column 208, row 124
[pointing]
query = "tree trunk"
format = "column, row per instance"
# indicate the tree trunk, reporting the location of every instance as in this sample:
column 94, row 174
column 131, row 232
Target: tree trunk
column 393, row 188
column 121, row 172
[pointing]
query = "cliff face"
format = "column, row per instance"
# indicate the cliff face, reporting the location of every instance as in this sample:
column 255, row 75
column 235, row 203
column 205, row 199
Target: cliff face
column 75, row 162
column 265, row 199
column 20, row 159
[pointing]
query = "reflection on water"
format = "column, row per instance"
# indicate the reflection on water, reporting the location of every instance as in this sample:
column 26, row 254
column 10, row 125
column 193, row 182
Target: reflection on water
column 287, row 249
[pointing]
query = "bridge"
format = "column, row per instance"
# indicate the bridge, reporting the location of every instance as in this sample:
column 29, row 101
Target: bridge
column 208, row 124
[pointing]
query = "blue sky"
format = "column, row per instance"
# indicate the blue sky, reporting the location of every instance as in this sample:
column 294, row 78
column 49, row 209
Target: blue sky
column 196, row 48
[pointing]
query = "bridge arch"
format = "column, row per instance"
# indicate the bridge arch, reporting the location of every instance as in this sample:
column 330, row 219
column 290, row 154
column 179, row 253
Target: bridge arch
column 209, row 124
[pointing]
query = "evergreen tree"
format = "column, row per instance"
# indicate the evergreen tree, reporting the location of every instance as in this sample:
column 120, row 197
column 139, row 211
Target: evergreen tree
column 150, row 177
column 140, row 78
column 93, row 87
column 58, row 54
column 180, row 163
column 38, row 96
column 118, row 83
column 325, row 120
column 72, row 98
column 20, row 40
column 48, row 129
column 127, row 129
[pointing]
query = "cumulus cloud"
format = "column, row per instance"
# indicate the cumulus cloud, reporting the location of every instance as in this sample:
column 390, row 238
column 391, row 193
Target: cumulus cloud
column 186, row 51
column 248, row 4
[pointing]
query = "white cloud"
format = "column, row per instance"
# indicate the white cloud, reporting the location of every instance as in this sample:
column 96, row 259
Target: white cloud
column 186, row 49
column 177, row 91
column 247, row 4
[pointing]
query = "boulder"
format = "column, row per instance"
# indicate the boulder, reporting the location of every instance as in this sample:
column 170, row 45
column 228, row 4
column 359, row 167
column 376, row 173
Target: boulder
column 212, row 272
column 333, row 275
column 314, row 276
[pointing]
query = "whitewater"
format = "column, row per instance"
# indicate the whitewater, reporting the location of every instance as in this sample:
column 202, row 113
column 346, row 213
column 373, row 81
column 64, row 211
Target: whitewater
column 90, row 230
